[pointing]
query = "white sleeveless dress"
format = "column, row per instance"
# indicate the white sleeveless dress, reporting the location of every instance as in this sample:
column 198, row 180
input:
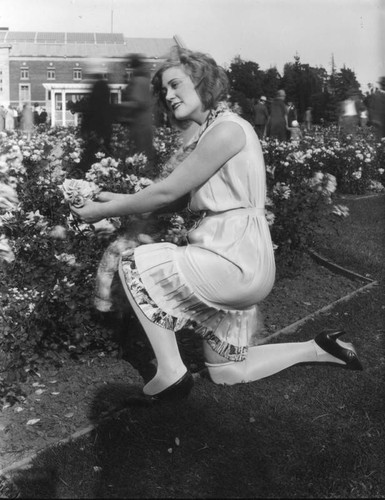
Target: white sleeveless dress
column 215, row 282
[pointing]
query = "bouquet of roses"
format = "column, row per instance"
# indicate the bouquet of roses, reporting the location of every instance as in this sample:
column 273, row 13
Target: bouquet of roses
column 77, row 191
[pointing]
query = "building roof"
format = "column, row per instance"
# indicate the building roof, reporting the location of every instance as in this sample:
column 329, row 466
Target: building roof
column 67, row 44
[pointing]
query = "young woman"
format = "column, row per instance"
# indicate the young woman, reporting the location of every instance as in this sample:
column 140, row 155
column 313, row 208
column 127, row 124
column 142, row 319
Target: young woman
column 216, row 281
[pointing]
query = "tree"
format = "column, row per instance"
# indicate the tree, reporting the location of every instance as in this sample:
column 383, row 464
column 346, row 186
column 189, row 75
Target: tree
column 344, row 82
column 271, row 82
column 246, row 77
column 304, row 86
column 246, row 84
column 249, row 82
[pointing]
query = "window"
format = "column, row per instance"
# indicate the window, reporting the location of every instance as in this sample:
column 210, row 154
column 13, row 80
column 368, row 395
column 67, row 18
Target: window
column 129, row 73
column 77, row 74
column 25, row 92
column 24, row 74
column 51, row 74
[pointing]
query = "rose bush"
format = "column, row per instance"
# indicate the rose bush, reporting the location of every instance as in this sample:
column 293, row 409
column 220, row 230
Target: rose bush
column 48, row 259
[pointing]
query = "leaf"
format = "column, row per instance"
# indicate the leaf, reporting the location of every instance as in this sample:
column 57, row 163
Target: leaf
column 69, row 415
column 33, row 421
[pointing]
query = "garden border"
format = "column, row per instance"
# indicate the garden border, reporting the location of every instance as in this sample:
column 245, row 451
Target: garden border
column 26, row 462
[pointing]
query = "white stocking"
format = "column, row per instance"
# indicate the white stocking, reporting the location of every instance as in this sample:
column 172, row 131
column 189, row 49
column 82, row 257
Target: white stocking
column 265, row 360
column 170, row 367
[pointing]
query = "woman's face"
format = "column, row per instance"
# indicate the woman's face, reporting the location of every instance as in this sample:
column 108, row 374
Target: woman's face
column 181, row 96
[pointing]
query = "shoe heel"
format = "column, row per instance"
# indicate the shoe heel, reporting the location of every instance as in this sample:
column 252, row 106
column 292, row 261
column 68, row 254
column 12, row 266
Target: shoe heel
column 337, row 334
column 175, row 392
column 328, row 342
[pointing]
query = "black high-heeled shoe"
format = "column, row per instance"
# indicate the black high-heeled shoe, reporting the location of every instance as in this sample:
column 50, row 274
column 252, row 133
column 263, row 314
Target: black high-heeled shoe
column 179, row 390
column 327, row 342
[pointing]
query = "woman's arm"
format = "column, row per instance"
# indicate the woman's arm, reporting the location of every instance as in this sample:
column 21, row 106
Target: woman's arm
column 220, row 144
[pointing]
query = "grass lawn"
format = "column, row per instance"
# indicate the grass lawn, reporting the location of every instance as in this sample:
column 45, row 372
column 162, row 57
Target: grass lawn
column 307, row 432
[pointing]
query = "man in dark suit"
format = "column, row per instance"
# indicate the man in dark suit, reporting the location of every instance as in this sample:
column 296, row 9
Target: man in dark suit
column 261, row 116
column 378, row 109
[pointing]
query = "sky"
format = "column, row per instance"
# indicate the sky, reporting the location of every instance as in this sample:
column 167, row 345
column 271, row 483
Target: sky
column 268, row 32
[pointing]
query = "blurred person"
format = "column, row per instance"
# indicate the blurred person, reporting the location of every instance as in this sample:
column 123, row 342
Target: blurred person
column 139, row 108
column 364, row 116
column 213, row 283
column 9, row 119
column 349, row 118
column 291, row 114
column 3, row 114
column 368, row 102
column 36, row 113
column 26, row 120
column 378, row 109
column 96, row 123
column 43, row 116
column 16, row 117
column 308, row 119
column 277, row 125
column 295, row 132
column 261, row 117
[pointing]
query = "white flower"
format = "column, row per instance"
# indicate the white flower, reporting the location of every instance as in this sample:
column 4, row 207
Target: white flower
column 376, row 186
column 105, row 227
column 8, row 196
column 331, row 183
column 76, row 191
column 282, row 190
column 357, row 174
column 3, row 165
column 6, row 218
column 316, row 180
column 341, row 210
column 270, row 217
column 6, row 252
column 32, row 217
column 67, row 259
column 58, row 233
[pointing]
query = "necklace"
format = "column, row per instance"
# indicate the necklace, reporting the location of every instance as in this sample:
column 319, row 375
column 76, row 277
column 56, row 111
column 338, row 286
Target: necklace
column 221, row 109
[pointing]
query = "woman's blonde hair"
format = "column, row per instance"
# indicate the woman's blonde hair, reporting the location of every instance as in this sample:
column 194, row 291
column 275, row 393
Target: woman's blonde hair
column 210, row 80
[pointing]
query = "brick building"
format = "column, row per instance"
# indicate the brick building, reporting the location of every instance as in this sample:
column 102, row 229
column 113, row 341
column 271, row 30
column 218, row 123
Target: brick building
column 51, row 68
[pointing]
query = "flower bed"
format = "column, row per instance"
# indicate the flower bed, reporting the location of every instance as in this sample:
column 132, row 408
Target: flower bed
column 48, row 259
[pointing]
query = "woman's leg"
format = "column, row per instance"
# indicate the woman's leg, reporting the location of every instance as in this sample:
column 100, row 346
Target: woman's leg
column 170, row 367
column 265, row 360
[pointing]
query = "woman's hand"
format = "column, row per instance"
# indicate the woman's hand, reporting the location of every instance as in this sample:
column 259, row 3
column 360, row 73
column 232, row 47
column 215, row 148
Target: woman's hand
column 90, row 212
